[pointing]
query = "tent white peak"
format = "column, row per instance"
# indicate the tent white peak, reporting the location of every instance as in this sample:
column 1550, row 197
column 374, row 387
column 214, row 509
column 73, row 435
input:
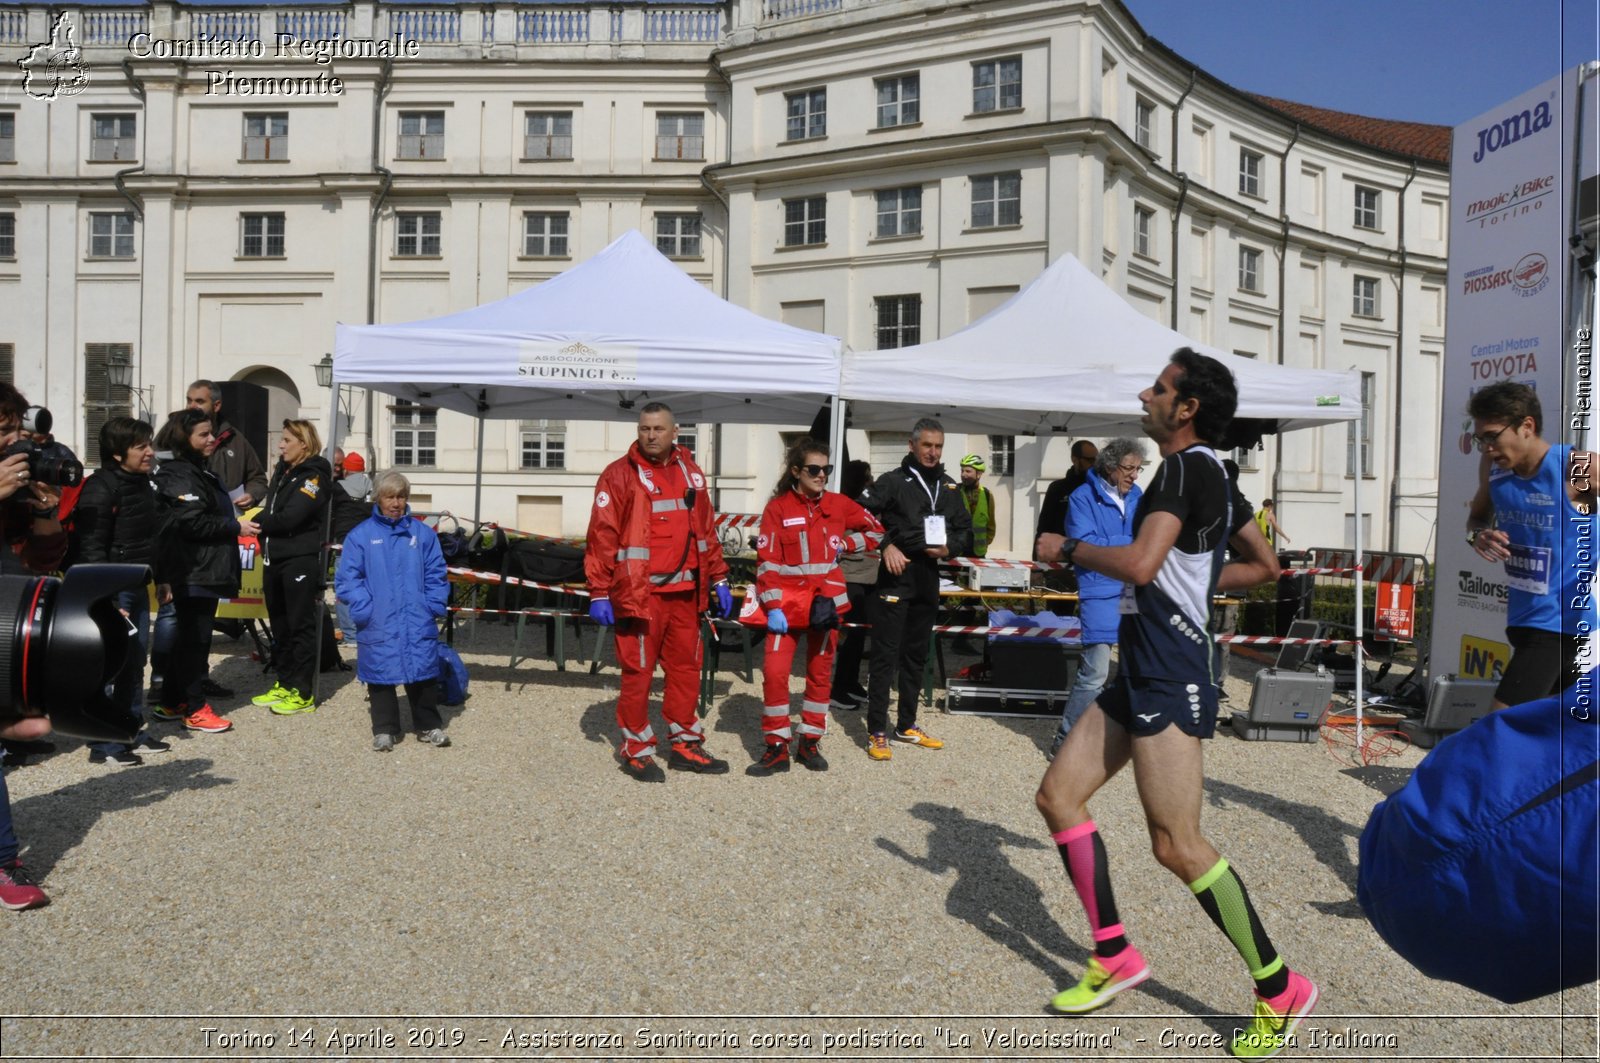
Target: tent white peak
column 623, row 328
column 1066, row 353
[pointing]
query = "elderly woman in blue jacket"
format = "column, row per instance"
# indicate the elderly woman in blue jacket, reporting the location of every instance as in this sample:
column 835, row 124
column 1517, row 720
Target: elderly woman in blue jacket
column 393, row 574
column 1100, row 511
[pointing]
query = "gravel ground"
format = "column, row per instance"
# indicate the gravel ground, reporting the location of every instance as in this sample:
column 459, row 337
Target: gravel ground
column 283, row 891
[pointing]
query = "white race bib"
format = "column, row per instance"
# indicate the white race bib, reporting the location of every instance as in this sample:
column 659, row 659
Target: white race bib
column 1127, row 605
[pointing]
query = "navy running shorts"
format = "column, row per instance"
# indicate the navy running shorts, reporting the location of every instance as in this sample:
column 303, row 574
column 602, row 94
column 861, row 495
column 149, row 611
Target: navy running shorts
column 1147, row 706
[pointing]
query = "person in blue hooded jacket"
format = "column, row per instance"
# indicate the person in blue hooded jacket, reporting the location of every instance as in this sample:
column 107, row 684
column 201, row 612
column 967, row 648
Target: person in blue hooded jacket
column 1100, row 511
column 394, row 576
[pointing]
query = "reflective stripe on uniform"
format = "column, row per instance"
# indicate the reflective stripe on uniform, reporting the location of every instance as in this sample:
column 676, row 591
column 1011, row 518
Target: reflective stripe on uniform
column 667, row 505
column 775, row 721
column 678, row 733
column 771, row 596
column 821, row 568
column 634, row 553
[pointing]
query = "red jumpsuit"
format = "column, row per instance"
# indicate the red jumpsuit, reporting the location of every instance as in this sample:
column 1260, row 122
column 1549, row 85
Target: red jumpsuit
column 655, row 558
column 797, row 556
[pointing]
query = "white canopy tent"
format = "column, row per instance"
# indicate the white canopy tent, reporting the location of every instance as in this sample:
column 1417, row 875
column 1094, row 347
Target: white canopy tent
column 624, row 328
column 1066, row 353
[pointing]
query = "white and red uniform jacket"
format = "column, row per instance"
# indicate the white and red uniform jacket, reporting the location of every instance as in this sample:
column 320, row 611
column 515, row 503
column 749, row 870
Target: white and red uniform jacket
column 797, row 553
column 644, row 540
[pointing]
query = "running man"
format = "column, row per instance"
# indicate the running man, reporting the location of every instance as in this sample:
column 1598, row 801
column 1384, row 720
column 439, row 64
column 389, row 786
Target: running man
column 1164, row 700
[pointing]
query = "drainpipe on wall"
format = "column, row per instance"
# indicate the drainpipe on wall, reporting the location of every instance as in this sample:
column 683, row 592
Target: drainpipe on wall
column 727, row 258
column 372, row 230
column 1283, row 289
column 1399, row 372
column 1183, row 194
column 136, row 87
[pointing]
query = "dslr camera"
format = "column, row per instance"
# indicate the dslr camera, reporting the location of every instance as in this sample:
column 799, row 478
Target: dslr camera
column 53, row 469
column 63, row 642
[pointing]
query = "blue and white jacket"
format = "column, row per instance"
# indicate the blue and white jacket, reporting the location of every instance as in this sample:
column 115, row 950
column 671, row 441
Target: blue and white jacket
column 394, row 578
column 1097, row 514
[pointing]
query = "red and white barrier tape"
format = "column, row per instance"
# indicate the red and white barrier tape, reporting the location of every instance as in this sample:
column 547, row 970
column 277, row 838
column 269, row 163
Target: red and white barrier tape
column 472, row 575
column 1278, row 640
column 475, row 611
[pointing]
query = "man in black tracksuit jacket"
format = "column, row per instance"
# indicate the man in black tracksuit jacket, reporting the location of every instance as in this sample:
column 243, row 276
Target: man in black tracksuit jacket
column 908, row 580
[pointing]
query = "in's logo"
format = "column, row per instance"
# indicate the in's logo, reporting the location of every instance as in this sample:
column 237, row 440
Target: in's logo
column 55, row 68
column 1483, row 658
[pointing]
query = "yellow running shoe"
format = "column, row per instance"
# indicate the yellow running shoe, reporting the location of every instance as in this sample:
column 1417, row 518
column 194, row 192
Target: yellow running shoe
column 918, row 737
column 1104, row 979
column 271, row 697
column 292, row 704
column 1275, row 1020
column 878, row 747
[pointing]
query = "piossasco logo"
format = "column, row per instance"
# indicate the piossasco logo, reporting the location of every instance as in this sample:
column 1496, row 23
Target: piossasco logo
column 54, row 69
column 1528, row 276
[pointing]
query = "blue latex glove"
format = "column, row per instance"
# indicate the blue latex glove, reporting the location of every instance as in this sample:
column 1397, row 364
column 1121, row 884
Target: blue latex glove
column 600, row 612
column 724, row 600
column 777, row 623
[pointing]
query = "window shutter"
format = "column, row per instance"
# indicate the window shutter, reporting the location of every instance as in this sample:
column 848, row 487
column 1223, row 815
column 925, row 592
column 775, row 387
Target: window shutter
column 8, row 362
column 99, row 402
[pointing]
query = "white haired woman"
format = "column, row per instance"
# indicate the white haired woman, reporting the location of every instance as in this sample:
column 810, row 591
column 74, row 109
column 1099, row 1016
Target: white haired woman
column 394, row 576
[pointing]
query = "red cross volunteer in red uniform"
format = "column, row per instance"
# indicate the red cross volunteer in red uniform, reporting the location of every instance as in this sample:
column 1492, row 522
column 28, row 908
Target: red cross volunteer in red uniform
column 652, row 556
column 799, row 589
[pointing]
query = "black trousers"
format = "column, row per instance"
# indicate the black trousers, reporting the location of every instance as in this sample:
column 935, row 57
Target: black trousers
column 294, row 593
column 853, row 640
column 385, row 707
column 190, row 660
column 902, row 622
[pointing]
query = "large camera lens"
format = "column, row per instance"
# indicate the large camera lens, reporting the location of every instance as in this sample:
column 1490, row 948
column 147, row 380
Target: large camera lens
column 62, row 644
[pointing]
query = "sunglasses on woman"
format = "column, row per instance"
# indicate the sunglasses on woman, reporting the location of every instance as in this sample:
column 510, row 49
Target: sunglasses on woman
column 818, row 470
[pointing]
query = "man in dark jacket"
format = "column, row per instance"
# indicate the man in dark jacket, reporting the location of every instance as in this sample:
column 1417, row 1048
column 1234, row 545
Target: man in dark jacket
column 1053, row 510
column 234, row 460
column 119, row 520
column 924, row 521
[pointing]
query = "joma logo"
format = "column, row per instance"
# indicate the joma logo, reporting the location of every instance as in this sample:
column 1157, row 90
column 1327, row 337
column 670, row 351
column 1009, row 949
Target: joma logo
column 1511, row 130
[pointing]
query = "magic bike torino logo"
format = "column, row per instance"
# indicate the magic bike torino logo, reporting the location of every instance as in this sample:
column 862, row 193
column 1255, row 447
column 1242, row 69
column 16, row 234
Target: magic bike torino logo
column 1522, row 198
column 54, row 69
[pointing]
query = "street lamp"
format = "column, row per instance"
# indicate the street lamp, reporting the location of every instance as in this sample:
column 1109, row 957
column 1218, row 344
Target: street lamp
column 324, row 370
column 119, row 374
column 342, row 402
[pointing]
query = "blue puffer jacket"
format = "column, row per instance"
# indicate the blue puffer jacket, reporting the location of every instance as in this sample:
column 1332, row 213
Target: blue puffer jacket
column 393, row 576
column 1094, row 516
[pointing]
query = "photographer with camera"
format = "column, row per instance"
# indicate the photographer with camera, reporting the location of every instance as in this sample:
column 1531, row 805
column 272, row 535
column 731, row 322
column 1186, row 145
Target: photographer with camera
column 30, row 495
column 119, row 520
column 201, row 560
column 33, row 542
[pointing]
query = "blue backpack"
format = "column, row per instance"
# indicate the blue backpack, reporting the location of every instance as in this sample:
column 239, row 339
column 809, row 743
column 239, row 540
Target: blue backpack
column 452, row 676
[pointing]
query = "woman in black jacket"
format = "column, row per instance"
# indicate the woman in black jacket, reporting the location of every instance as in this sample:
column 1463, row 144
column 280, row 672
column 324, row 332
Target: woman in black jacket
column 294, row 523
column 200, row 560
column 118, row 520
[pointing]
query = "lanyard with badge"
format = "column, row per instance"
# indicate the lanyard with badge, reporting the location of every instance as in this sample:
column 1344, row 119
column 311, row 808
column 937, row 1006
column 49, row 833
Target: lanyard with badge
column 933, row 533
